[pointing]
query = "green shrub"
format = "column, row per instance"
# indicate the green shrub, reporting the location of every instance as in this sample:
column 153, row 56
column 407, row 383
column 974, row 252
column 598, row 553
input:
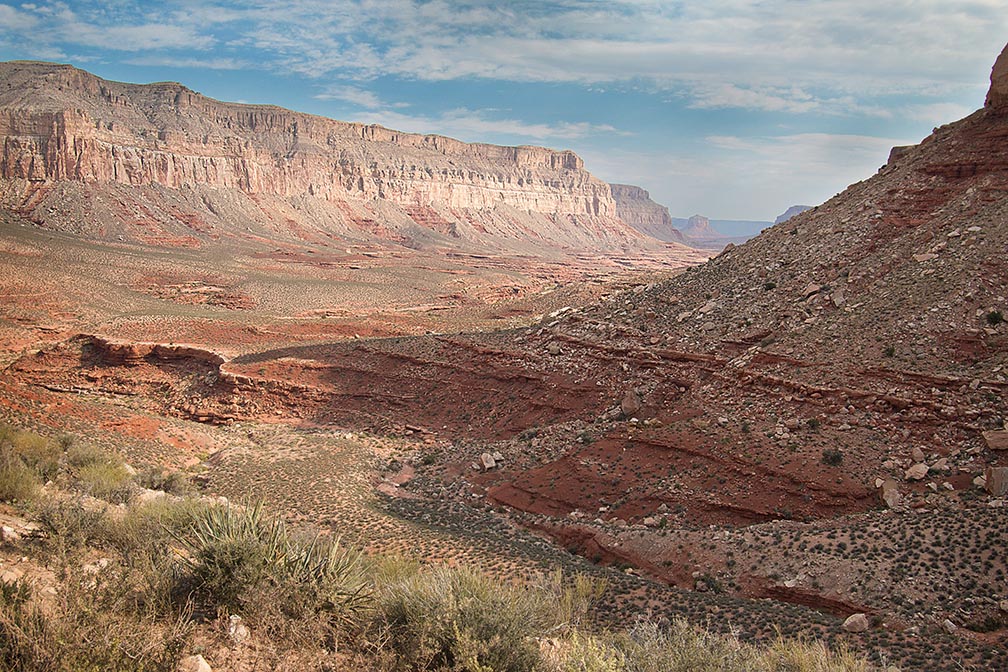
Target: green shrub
column 173, row 482
column 18, row 483
column 239, row 560
column 109, row 480
column 99, row 473
column 457, row 619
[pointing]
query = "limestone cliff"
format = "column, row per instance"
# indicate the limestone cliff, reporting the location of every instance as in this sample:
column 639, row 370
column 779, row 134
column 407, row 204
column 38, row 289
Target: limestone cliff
column 65, row 130
column 635, row 207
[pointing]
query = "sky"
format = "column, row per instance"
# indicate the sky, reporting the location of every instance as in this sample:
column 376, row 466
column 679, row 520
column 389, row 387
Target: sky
column 735, row 109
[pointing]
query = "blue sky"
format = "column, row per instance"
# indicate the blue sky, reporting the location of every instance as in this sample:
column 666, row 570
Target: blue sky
column 734, row 109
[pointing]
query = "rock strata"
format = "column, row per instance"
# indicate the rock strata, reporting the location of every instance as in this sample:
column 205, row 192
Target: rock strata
column 60, row 127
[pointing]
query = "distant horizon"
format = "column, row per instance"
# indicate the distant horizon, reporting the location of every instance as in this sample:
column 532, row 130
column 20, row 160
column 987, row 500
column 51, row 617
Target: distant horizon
column 736, row 111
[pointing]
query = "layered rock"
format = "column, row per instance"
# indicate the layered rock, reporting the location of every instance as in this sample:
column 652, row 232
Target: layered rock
column 635, row 207
column 59, row 124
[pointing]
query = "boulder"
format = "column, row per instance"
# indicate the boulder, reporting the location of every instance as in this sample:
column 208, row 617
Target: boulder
column 488, row 462
column 631, row 405
column 996, row 481
column 916, row 472
column 996, row 439
column 890, row 494
column 856, row 623
column 193, row 664
column 949, row 626
column 917, row 455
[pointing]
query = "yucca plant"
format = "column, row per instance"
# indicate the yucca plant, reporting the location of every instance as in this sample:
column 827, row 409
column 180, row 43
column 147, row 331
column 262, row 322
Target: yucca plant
column 235, row 554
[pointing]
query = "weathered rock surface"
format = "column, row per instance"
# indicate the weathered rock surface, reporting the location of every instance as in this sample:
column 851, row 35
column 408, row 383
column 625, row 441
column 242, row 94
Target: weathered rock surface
column 635, row 207
column 69, row 137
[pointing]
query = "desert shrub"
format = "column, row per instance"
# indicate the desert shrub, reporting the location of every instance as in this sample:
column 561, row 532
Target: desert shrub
column 810, row 656
column 173, row 482
column 239, row 560
column 67, row 525
column 154, row 523
column 995, row 317
column 99, row 473
column 110, row 481
column 583, row 653
column 832, row 457
column 38, row 453
column 93, row 624
column 82, row 454
column 442, row 618
column 18, row 483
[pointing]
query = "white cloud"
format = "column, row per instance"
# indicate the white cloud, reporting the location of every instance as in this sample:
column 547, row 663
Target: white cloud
column 813, row 56
column 357, row 96
column 13, row 20
column 465, row 124
column 202, row 63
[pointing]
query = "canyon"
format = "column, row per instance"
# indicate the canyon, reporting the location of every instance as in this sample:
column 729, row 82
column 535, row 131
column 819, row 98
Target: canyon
column 806, row 427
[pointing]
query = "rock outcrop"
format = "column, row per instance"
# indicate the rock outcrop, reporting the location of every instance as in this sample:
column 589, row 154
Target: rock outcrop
column 635, row 207
column 997, row 95
column 65, row 131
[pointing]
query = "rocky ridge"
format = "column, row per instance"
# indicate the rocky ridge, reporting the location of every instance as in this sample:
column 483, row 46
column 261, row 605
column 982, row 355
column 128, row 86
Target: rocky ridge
column 105, row 158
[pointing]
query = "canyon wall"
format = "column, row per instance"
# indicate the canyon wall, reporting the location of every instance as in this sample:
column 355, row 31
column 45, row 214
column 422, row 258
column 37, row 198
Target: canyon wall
column 635, row 207
column 59, row 124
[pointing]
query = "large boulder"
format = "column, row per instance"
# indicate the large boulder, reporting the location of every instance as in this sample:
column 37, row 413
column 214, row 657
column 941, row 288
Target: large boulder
column 996, row 481
column 856, row 623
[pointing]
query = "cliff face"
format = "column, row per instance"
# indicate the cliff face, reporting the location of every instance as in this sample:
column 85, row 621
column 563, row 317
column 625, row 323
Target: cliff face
column 59, row 124
column 635, row 207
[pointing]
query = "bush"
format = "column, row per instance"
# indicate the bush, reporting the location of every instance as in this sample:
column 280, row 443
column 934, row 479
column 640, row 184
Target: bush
column 832, row 457
column 174, row 482
column 18, row 483
column 100, row 474
column 457, row 619
column 40, row 454
column 67, row 526
column 995, row 317
column 93, row 625
column 236, row 559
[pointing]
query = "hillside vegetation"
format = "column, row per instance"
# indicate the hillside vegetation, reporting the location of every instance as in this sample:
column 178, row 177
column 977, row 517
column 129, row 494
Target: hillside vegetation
column 105, row 568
